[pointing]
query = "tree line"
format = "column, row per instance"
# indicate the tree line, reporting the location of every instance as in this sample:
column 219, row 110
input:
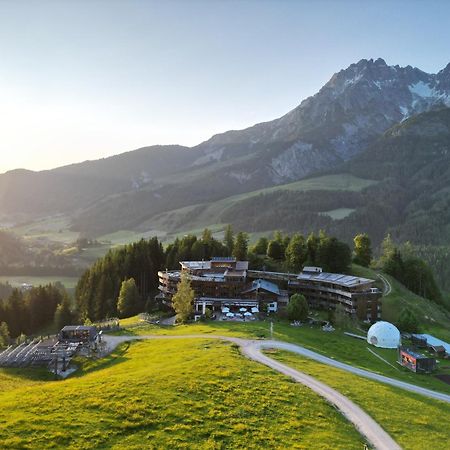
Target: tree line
column 98, row 289
column 30, row 311
column 412, row 271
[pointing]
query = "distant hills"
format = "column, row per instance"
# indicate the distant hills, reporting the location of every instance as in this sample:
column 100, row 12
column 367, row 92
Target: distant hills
column 387, row 127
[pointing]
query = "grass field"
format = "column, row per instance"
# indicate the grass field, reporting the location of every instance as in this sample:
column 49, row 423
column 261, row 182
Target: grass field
column 211, row 212
column 198, row 394
column 16, row 281
column 335, row 345
column 338, row 214
column 413, row 421
column 54, row 228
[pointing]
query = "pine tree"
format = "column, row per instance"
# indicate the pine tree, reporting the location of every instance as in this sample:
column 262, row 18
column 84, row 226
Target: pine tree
column 183, row 300
column 296, row 252
column 408, row 322
column 275, row 250
column 362, row 250
column 128, row 301
column 4, row 335
column 63, row 315
column 241, row 246
column 228, row 239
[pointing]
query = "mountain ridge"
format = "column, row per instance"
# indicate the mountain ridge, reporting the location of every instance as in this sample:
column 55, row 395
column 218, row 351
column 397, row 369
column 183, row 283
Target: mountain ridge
column 356, row 106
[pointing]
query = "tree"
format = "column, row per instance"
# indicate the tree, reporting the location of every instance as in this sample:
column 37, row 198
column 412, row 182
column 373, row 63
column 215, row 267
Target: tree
column 228, row 239
column 260, row 248
column 312, row 245
column 297, row 308
column 207, row 235
column 362, row 250
column 275, row 250
column 63, row 315
column 408, row 321
column 341, row 317
column 241, row 246
column 387, row 249
column 183, row 300
column 128, row 301
column 4, row 335
column 296, row 252
column 334, row 255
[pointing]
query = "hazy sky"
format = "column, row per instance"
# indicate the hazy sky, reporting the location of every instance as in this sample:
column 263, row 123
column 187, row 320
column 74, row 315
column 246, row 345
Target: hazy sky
column 87, row 79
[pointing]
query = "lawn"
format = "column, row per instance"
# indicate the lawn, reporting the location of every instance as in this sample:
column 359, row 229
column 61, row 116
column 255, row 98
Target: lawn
column 172, row 394
column 413, row 421
column 335, row 345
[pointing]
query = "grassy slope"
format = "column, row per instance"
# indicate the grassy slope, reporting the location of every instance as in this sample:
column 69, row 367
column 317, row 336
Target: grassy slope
column 391, row 408
column 335, row 345
column 211, row 213
column 205, row 395
column 17, row 280
column 433, row 318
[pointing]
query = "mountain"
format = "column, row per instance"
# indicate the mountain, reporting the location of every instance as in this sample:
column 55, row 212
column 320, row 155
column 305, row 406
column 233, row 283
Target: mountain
column 327, row 130
column 409, row 197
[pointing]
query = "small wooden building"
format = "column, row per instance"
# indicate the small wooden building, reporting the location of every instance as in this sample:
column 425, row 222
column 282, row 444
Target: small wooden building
column 78, row 333
column 415, row 361
column 438, row 350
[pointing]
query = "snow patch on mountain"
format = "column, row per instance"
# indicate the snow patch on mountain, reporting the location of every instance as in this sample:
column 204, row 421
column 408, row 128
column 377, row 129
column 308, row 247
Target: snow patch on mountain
column 422, row 89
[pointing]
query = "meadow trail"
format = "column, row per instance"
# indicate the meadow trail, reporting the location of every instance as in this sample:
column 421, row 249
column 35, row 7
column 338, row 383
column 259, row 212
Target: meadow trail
column 252, row 349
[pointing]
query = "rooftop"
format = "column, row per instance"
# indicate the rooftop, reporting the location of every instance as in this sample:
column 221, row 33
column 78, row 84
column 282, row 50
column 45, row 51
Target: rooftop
column 263, row 284
column 223, row 259
column 336, row 278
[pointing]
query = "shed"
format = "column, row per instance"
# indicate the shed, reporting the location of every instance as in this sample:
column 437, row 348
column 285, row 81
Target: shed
column 415, row 361
column 438, row 350
column 78, row 333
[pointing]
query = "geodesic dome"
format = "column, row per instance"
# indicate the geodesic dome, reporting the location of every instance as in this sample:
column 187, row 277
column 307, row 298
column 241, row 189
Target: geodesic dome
column 384, row 335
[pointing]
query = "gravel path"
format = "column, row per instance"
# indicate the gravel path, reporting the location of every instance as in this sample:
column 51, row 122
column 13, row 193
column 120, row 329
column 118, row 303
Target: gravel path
column 252, row 349
column 387, row 286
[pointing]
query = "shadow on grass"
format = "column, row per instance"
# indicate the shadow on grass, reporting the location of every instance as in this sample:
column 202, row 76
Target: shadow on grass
column 86, row 366
column 29, row 373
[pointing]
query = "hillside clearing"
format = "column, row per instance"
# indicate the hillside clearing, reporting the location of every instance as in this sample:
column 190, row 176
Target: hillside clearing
column 206, row 395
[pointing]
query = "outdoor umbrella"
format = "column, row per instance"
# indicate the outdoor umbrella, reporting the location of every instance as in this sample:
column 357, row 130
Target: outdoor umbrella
column 243, row 309
column 225, row 309
column 248, row 314
column 230, row 314
column 255, row 310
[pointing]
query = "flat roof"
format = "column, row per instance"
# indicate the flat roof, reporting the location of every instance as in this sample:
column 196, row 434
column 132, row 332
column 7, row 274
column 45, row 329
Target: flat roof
column 431, row 340
column 413, row 353
column 196, row 264
column 335, row 278
column 78, row 328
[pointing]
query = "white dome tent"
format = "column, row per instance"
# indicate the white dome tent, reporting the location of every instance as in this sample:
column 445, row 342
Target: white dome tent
column 384, row 335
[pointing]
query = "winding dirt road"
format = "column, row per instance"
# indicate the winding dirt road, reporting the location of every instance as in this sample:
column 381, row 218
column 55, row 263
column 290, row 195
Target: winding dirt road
column 252, row 349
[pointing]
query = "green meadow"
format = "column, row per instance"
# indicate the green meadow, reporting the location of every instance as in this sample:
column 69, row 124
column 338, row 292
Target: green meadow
column 193, row 393
column 415, row 422
column 334, row 345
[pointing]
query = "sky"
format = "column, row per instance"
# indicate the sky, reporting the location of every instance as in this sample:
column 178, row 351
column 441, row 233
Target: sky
column 86, row 79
